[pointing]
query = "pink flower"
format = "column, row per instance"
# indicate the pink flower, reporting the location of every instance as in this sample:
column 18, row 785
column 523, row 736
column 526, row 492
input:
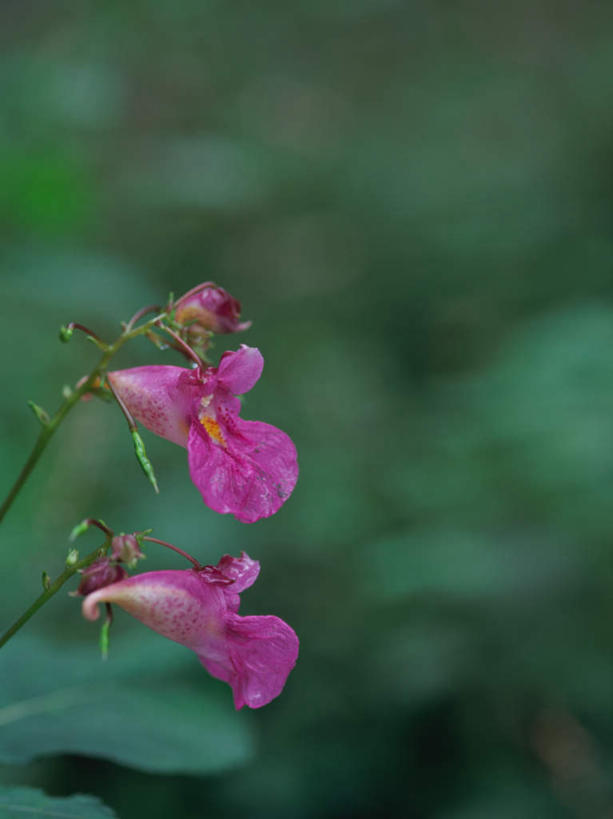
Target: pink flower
column 208, row 308
column 198, row 608
column 246, row 468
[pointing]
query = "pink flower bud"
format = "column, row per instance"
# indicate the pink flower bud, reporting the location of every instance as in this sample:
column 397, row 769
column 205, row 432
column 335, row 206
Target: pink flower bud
column 209, row 309
column 126, row 549
column 98, row 574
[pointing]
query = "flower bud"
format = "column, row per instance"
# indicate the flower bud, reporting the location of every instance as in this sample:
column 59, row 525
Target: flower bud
column 210, row 309
column 72, row 558
column 66, row 333
column 98, row 574
column 126, row 549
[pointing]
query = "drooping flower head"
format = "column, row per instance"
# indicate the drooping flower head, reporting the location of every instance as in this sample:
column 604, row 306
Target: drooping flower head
column 199, row 609
column 245, row 468
column 209, row 309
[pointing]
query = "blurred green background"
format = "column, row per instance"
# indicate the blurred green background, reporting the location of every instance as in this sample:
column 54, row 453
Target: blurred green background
column 413, row 201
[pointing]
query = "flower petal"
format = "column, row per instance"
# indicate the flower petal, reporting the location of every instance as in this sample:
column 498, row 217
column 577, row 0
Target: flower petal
column 261, row 652
column 239, row 370
column 159, row 397
column 250, row 475
column 242, row 570
column 253, row 654
column 176, row 604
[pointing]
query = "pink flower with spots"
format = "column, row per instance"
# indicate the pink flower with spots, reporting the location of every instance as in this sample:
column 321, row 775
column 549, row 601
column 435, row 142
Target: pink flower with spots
column 199, row 609
column 245, row 468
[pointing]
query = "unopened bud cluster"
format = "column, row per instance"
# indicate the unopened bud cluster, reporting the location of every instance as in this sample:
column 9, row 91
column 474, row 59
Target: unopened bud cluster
column 106, row 570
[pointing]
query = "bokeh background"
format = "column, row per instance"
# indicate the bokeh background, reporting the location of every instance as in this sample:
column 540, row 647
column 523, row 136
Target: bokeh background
column 413, row 201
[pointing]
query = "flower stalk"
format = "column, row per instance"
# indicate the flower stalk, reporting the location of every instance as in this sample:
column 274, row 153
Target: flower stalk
column 182, row 346
column 51, row 588
column 139, row 444
column 70, row 400
column 175, row 549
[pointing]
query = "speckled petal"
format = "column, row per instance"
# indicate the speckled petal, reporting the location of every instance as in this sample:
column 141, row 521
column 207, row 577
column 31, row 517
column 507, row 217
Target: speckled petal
column 159, row 397
column 176, row 604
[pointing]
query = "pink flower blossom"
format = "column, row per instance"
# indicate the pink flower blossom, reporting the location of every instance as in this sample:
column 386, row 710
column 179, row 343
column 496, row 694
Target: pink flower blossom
column 208, row 308
column 198, row 608
column 246, row 468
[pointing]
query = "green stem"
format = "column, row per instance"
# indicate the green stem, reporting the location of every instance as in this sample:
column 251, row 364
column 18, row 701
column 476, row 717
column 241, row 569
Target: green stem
column 49, row 429
column 40, row 601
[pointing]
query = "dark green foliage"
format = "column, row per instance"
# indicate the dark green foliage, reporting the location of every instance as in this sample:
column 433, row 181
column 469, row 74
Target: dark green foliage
column 138, row 708
column 15, row 803
column 413, row 202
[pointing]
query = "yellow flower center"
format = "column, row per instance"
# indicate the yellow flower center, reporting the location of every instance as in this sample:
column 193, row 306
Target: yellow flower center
column 212, row 428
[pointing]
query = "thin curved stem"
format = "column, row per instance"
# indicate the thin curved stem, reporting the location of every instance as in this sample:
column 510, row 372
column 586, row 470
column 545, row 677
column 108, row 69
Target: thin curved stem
column 98, row 523
column 182, row 345
column 73, row 325
column 132, row 425
column 151, row 308
column 57, row 584
column 175, row 549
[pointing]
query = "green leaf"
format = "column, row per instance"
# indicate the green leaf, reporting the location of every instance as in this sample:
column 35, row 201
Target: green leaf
column 79, row 530
column 19, row 802
column 141, row 455
column 104, row 638
column 41, row 414
column 72, row 558
column 150, row 706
